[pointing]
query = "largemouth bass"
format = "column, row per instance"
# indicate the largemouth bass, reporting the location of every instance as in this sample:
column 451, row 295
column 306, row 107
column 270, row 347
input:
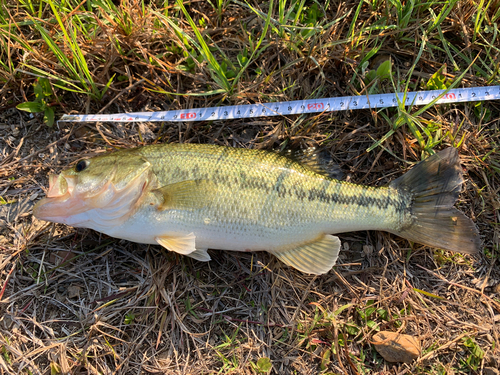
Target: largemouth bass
column 189, row 198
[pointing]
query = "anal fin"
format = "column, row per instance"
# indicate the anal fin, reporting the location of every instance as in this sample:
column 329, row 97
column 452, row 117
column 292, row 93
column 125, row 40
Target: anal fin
column 317, row 257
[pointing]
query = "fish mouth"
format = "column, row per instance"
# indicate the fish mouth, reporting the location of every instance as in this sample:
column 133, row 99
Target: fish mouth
column 58, row 186
column 99, row 207
column 60, row 203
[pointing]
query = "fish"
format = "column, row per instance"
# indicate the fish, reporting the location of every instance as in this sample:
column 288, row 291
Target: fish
column 189, row 198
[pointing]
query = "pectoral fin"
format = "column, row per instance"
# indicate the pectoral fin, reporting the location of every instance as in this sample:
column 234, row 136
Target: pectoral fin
column 191, row 194
column 184, row 245
column 316, row 257
column 180, row 244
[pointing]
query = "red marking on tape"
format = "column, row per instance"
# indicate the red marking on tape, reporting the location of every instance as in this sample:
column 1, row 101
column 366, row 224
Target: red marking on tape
column 316, row 106
column 187, row 115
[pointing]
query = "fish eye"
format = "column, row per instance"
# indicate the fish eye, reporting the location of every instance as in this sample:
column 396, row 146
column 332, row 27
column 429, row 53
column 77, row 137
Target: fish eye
column 81, row 165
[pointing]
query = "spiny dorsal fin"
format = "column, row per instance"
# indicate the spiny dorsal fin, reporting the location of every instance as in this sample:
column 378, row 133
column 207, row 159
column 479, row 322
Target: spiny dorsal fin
column 317, row 257
column 316, row 160
column 191, row 194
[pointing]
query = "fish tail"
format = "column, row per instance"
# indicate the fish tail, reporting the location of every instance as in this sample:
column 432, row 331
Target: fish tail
column 433, row 187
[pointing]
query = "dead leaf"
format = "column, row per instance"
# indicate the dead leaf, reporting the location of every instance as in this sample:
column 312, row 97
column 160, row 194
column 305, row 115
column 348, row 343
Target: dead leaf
column 396, row 347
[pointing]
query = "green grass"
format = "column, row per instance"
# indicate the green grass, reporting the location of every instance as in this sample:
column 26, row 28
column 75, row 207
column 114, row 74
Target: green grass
column 299, row 27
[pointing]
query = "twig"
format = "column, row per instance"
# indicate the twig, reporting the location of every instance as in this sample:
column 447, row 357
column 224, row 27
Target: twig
column 227, row 317
column 120, row 94
column 444, row 346
column 495, row 303
column 6, row 282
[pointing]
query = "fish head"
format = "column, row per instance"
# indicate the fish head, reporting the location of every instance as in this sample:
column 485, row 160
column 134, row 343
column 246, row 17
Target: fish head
column 103, row 190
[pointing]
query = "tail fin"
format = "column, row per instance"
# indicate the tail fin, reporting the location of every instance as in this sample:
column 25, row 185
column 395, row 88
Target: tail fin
column 434, row 185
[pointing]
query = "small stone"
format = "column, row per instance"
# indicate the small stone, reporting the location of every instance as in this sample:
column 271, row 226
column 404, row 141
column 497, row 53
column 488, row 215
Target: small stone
column 7, row 321
column 379, row 60
column 396, row 347
column 490, row 360
column 248, row 134
column 357, row 247
column 61, row 256
column 367, row 250
column 74, row 291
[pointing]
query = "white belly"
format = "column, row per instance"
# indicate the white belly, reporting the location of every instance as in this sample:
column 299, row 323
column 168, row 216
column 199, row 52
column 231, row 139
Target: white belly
column 211, row 232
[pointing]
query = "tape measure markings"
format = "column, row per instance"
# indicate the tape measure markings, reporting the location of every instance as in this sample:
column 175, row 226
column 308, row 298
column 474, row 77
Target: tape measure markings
column 344, row 103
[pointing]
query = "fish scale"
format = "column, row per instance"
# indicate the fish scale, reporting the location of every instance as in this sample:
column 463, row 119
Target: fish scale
column 272, row 203
column 190, row 198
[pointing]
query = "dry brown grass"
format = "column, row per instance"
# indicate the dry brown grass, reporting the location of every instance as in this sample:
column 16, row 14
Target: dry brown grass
column 74, row 301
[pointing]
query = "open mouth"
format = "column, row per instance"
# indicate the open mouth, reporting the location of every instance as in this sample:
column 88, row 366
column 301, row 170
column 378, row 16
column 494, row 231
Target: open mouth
column 58, row 186
column 87, row 201
column 60, row 202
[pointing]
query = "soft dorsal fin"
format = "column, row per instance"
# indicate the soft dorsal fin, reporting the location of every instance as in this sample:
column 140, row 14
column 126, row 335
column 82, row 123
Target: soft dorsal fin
column 317, row 257
column 190, row 194
column 316, row 160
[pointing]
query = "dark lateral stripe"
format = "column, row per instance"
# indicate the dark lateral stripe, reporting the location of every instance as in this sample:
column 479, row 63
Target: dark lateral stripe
column 365, row 200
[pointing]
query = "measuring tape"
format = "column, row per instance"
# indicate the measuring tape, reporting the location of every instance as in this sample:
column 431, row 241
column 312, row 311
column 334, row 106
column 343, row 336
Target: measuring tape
column 343, row 103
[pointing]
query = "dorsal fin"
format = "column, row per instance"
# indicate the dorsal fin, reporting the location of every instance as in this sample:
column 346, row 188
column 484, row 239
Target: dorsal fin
column 316, row 160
